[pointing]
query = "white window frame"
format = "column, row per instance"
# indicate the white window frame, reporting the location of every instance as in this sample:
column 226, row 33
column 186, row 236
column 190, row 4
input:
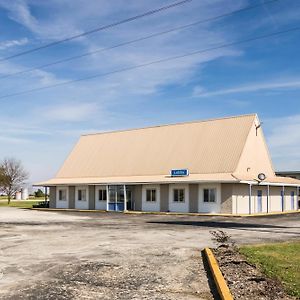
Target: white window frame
column 209, row 194
column 153, row 205
column 86, row 188
column 179, row 190
column 179, row 206
column 151, row 190
column 101, row 189
column 209, row 207
column 60, row 188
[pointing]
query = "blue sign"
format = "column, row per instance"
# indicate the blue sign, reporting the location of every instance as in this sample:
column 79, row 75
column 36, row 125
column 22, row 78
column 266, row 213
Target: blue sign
column 180, row 172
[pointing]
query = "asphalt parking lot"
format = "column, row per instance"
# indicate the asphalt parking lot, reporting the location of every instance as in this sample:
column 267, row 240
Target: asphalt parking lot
column 69, row 255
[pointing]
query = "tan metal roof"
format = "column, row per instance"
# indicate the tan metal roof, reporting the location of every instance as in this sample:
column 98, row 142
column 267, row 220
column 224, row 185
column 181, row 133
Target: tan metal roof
column 211, row 150
column 202, row 147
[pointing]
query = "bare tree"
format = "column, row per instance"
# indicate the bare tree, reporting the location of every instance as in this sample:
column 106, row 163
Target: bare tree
column 12, row 177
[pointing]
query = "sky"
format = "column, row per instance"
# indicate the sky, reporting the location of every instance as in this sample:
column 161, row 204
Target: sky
column 40, row 128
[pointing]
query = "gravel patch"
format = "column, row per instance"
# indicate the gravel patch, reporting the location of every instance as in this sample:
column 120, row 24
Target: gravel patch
column 244, row 280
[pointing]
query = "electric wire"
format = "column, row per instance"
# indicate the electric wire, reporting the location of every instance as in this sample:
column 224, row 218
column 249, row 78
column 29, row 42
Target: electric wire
column 126, row 69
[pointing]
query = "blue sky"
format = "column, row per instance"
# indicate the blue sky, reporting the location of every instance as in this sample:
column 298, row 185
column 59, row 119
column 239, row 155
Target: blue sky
column 41, row 128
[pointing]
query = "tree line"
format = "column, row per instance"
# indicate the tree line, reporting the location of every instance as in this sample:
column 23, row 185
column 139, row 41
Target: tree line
column 12, row 177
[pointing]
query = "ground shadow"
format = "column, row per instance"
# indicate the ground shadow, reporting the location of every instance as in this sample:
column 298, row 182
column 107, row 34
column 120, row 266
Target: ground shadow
column 209, row 277
column 218, row 224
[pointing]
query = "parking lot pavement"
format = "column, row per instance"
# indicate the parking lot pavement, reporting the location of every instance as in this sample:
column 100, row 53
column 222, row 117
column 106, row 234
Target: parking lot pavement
column 68, row 255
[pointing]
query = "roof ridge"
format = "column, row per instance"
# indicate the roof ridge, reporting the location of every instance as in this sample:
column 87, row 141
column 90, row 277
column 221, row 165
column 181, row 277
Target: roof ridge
column 172, row 124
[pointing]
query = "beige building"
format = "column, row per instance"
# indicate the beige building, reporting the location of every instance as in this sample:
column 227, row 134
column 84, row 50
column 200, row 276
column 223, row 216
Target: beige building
column 212, row 166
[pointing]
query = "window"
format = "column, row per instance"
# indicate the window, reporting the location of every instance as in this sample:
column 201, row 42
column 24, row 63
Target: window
column 178, row 195
column 102, row 195
column 81, row 195
column 209, row 195
column 62, row 195
column 151, row 195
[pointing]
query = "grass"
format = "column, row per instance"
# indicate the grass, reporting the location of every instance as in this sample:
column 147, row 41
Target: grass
column 19, row 203
column 280, row 261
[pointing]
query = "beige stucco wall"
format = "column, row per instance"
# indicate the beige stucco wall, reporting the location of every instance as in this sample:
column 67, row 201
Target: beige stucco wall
column 164, row 197
column 71, row 196
column 226, row 198
column 91, row 197
column 52, row 197
column 255, row 157
column 193, row 203
column 137, row 197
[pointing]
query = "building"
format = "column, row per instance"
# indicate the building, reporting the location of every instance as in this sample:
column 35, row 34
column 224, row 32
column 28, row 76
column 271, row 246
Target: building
column 292, row 174
column 212, row 166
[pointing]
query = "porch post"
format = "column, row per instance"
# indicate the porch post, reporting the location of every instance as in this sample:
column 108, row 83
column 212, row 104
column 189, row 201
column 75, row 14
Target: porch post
column 250, row 198
column 297, row 198
column 125, row 198
column 107, row 197
column 283, row 199
column 268, row 198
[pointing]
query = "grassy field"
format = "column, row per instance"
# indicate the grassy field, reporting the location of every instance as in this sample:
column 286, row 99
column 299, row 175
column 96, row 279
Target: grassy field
column 280, row 260
column 20, row 203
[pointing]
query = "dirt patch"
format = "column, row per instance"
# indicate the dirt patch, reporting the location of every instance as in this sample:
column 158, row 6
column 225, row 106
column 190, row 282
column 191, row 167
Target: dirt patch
column 244, row 280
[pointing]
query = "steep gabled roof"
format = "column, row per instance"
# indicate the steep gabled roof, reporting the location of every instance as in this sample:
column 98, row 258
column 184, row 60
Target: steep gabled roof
column 204, row 147
column 219, row 150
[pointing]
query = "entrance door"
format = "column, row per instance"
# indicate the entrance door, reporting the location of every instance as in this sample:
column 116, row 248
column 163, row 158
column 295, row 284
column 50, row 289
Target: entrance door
column 116, row 198
column 259, row 201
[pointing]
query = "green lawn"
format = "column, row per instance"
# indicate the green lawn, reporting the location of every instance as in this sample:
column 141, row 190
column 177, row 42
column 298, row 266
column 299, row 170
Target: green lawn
column 280, row 260
column 19, row 203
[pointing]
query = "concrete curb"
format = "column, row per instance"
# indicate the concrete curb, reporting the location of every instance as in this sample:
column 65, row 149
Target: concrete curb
column 168, row 213
column 219, row 280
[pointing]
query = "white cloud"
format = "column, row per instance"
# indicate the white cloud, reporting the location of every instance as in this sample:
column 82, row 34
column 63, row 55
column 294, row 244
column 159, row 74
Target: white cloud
column 287, row 84
column 283, row 139
column 12, row 43
column 70, row 112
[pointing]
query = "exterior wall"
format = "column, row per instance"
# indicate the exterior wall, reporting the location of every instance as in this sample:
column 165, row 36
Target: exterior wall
column 164, row 197
column 151, row 206
column 137, row 197
column 179, row 206
column 82, row 204
column 193, row 198
column 65, row 203
column 100, row 205
column 71, row 196
column 226, row 198
column 52, row 197
column 91, row 197
column 275, row 199
column 255, row 204
column 240, row 199
column 208, row 207
column 289, row 205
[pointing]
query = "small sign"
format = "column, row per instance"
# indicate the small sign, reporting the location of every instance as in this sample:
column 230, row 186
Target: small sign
column 180, row 172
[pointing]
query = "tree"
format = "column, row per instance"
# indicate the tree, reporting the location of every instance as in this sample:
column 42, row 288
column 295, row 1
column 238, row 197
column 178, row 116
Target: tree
column 39, row 193
column 12, row 177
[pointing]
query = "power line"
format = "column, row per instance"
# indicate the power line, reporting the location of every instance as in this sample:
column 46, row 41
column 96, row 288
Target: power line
column 145, row 14
column 154, row 62
column 137, row 40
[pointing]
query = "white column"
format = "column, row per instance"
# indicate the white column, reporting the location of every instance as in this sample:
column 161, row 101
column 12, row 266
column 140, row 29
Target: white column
column 283, row 198
column 268, row 199
column 297, row 198
column 125, row 198
column 107, row 197
column 250, row 198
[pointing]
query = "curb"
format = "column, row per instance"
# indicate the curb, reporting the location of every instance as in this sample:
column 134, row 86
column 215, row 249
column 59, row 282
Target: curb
column 168, row 213
column 219, row 280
